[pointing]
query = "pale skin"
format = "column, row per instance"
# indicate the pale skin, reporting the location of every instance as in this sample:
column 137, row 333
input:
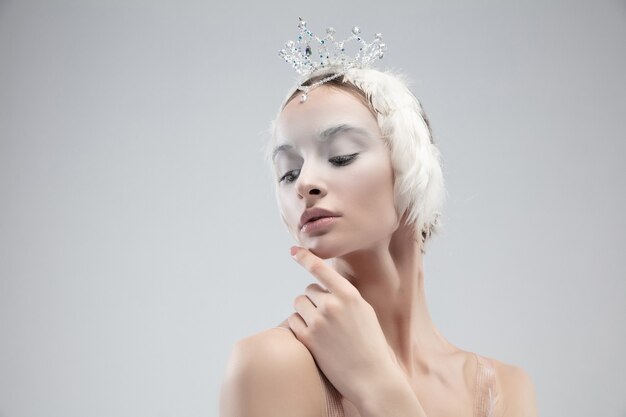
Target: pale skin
column 365, row 321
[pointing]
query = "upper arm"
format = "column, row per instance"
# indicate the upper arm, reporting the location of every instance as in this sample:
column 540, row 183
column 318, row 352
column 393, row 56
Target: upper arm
column 270, row 376
column 519, row 393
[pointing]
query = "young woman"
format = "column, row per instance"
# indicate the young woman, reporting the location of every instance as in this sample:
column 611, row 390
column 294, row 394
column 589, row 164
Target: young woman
column 359, row 182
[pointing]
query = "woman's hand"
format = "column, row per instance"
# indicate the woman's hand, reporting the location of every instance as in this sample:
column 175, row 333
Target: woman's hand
column 341, row 331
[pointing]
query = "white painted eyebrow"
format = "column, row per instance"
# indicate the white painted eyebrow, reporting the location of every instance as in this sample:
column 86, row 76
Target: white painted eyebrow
column 324, row 136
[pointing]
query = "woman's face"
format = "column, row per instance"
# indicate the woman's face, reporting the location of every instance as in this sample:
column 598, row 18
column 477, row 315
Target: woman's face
column 334, row 159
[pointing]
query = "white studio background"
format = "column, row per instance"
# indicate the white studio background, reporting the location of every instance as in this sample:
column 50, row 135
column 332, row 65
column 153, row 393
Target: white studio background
column 140, row 238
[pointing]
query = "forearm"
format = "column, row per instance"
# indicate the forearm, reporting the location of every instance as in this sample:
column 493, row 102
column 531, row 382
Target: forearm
column 391, row 399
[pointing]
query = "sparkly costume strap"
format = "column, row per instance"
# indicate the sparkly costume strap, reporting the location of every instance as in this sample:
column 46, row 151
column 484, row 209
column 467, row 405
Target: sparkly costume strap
column 333, row 397
column 486, row 395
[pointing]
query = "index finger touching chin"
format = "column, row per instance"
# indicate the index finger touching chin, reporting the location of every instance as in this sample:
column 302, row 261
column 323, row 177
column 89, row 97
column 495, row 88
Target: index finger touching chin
column 325, row 274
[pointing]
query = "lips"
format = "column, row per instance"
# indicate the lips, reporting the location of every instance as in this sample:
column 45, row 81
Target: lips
column 315, row 213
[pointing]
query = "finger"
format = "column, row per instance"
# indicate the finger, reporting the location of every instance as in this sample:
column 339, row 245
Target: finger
column 297, row 325
column 330, row 278
column 305, row 308
column 316, row 293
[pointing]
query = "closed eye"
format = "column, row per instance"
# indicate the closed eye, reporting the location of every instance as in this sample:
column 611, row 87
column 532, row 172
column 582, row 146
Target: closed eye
column 343, row 160
column 336, row 161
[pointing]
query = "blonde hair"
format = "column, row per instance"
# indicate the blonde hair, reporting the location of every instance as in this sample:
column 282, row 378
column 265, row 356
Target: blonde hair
column 419, row 188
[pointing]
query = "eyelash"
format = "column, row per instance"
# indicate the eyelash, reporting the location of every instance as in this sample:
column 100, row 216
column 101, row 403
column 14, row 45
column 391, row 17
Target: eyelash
column 339, row 161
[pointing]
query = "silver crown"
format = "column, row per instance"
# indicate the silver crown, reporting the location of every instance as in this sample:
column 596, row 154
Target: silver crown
column 311, row 53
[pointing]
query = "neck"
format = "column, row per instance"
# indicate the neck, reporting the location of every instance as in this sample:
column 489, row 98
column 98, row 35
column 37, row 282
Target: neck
column 390, row 277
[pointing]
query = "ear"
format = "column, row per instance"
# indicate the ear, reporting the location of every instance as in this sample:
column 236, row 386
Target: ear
column 404, row 216
column 405, row 233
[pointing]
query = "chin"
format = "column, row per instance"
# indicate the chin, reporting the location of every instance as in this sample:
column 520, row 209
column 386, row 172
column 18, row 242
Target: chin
column 322, row 253
column 325, row 247
column 320, row 246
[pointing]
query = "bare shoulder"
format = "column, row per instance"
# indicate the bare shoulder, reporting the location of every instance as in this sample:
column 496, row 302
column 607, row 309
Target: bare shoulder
column 271, row 373
column 516, row 389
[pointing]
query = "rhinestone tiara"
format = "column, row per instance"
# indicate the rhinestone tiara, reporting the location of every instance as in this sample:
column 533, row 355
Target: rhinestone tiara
column 311, row 53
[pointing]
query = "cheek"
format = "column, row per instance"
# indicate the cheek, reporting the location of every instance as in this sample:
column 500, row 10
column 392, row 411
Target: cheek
column 370, row 194
column 288, row 212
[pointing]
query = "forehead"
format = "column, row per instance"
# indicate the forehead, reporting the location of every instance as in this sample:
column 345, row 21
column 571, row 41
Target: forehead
column 325, row 106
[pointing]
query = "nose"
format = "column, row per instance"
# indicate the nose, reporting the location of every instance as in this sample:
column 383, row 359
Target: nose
column 309, row 182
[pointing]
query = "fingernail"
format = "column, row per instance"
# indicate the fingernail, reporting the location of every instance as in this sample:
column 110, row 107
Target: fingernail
column 294, row 250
